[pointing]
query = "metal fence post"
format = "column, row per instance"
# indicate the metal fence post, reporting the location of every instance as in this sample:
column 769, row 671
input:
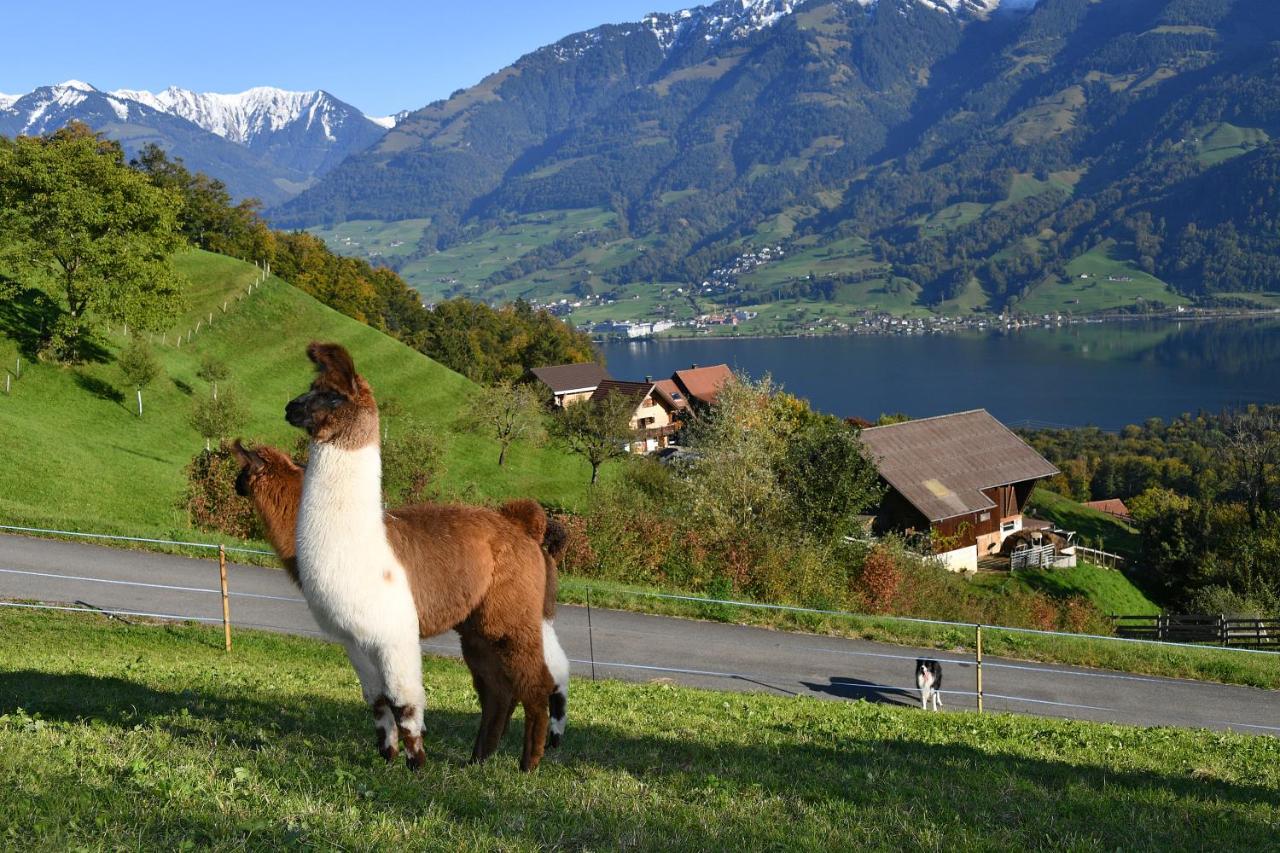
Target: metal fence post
column 226, row 604
column 978, row 644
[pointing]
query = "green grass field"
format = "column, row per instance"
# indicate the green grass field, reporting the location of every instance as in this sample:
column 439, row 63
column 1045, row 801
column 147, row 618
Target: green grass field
column 1094, row 528
column 1220, row 142
column 461, row 269
column 145, row 737
column 1097, row 293
column 1110, row 590
column 78, row 456
column 373, row 238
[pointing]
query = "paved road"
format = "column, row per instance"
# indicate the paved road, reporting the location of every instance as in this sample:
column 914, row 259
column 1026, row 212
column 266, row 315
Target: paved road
column 637, row 647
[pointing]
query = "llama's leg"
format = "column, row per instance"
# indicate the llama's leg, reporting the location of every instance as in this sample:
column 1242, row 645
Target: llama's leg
column 400, row 664
column 522, row 656
column 493, row 691
column 374, row 692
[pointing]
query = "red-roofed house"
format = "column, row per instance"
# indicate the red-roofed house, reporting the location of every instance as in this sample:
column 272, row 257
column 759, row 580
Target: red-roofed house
column 702, row 384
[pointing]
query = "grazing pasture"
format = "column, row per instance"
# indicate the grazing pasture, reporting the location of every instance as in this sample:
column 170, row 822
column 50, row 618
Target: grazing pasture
column 153, row 737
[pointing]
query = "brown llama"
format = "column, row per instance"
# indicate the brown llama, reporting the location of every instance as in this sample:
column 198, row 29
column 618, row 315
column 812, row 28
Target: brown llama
column 271, row 478
column 377, row 582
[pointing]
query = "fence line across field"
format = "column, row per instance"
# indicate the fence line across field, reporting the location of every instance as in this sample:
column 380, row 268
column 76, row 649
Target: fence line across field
column 703, row 600
column 979, row 693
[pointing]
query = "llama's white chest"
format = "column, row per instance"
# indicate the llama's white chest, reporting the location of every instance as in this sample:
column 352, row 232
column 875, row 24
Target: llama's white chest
column 352, row 580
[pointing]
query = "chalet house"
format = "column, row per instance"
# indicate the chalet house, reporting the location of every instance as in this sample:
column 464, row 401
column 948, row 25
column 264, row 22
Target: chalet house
column 571, row 383
column 700, row 385
column 963, row 478
column 656, row 415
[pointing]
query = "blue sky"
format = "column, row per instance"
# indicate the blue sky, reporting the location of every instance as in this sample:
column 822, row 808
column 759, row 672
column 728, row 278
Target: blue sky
column 379, row 56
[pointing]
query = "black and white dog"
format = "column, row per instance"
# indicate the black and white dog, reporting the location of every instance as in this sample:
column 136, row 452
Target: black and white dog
column 929, row 680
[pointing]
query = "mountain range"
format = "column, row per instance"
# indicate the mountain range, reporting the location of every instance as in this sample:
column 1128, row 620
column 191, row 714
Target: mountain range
column 965, row 153
column 266, row 143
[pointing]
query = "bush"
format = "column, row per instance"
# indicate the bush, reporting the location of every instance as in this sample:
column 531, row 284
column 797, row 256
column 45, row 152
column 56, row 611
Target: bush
column 210, row 498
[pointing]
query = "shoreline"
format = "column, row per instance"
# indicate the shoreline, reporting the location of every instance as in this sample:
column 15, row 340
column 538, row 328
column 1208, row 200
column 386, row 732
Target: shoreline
column 1199, row 315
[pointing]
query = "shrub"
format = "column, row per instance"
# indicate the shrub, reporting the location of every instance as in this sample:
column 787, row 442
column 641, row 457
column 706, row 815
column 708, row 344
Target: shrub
column 210, row 498
column 876, row 586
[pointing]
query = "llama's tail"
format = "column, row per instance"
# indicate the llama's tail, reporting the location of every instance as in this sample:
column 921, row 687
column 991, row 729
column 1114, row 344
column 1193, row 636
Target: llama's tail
column 558, row 665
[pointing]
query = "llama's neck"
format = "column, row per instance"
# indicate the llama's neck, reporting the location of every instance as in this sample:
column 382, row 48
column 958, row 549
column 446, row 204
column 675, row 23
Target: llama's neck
column 278, row 499
column 343, row 487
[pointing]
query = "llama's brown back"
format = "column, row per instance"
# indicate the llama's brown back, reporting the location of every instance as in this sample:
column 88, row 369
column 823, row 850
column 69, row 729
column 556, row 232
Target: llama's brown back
column 455, row 555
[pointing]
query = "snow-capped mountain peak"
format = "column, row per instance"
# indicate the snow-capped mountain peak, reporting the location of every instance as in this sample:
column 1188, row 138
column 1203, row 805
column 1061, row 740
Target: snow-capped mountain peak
column 7, row 101
column 242, row 116
column 75, row 84
column 732, row 20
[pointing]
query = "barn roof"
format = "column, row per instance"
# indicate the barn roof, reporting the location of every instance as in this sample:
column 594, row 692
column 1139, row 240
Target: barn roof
column 635, row 390
column 941, row 465
column 563, row 378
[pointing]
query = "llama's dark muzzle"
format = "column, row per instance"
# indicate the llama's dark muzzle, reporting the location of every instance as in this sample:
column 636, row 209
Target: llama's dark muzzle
column 297, row 414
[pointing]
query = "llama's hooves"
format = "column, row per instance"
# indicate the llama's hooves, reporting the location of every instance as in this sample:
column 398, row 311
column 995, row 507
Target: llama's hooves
column 389, row 753
column 414, row 755
column 553, row 740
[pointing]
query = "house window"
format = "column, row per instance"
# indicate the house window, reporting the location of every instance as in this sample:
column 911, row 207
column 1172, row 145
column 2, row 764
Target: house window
column 1008, row 526
column 986, row 516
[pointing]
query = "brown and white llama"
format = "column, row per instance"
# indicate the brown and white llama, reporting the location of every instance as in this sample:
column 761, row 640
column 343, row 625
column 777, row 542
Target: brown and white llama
column 273, row 481
column 378, row 582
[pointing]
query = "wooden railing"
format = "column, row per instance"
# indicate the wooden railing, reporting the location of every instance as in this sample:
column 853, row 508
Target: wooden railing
column 1219, row 629
column 1099, row 558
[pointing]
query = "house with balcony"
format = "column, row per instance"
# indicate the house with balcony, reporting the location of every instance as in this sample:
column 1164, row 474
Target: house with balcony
column 961, row 479
column 655, row 418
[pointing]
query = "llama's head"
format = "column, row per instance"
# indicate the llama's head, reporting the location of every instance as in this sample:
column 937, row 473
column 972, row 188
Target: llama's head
column 261, row 464
column 339, row 407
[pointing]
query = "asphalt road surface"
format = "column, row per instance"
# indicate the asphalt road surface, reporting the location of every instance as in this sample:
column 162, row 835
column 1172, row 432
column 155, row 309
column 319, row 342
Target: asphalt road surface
column 638, row 647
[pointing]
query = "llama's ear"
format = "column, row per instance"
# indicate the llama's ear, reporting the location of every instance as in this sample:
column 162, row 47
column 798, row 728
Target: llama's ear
column 248, row 459
column 334, row 362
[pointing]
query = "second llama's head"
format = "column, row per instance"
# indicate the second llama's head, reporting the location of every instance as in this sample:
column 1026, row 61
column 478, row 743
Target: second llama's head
column 339, row 408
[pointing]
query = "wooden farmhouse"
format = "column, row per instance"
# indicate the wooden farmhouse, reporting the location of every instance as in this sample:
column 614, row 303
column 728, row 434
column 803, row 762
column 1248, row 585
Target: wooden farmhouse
column 571, row 383
column 964, row 479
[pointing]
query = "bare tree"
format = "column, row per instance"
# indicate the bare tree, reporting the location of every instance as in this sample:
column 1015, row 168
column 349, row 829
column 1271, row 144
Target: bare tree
column 507, row 413
column 1253, row 445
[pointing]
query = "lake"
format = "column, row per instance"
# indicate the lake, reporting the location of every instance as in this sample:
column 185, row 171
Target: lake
column 1106, row 374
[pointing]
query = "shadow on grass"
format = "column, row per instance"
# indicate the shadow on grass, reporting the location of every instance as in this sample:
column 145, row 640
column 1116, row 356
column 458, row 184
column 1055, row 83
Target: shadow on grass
column 99, row 388
column 29, row 318
column 986, row 797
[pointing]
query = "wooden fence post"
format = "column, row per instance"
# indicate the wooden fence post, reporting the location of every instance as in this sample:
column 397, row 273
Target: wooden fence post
column 226, row 605
column 978, row 644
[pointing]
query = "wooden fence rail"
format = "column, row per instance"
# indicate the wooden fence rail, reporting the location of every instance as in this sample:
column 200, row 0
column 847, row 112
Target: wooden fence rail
column 1217, row 629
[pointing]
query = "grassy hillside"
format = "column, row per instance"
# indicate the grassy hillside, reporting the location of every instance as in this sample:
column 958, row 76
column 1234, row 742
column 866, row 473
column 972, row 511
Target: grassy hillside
column 1110, row 590
column 154, row 737
column 77, row 455
column 1111, row 281
column 1094, row 528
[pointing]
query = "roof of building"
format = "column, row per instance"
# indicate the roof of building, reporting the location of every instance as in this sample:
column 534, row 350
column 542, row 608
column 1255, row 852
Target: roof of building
column 703, row 383
column 941, row 465
column 635, row 390
column 1112, row 506
column 563, row 378
column 672, row 392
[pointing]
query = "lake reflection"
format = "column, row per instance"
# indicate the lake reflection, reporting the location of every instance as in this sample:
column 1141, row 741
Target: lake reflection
column 1108, row 374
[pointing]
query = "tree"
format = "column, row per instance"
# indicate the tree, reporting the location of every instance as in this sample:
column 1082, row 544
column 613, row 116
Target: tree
column 507, row 413
column 79, row 222
column 139, row 366
column 213, row 370
column 1253, row 446
column 827, row 476
column 412, row 463
column 597, row 430
column 217, row 418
